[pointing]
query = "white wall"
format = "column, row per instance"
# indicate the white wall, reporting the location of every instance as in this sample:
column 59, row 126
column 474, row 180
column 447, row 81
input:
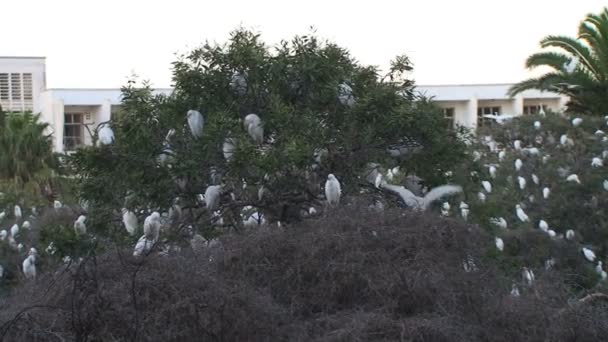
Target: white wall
column 35, row 66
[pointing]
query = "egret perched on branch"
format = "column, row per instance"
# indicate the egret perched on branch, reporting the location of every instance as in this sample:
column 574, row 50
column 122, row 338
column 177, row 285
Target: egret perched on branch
column 29, row 267
column 492, row 170
column 521, row 215
column 535, row 179
column 500, row 119
column 546, row 192
column 332, row 190
column 18, row 213
column 522, row 182
column 518, row 164
column 499, row 222
column 228, row 148
column 345, row 95
column 543, row 225
column 422, row 203
column 464, row 210
column 600, row 271
column 605, row 185
column 129, row 219
column 537, row 125
column 517, row 144
column 152, row 226
column 573, row 178
column 253, row 125
column 588, row 253
column 3, row 234
column 195, row 122
column 481, row 196
column 487, row 186
column 15, row 230
column 499, row 244
column 106, row 135
column 570, row 234
column 26, row 225
column 2, row 215
column 528, row 276
column 514, row 290
column 502, row 155
column 57, row 205
column 597, row 162
column 445, row 209
column 143, row 245
column 79, row 225
column 212, row 197
column 577, row 122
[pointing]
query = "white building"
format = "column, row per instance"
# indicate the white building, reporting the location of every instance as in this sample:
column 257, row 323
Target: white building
column 68, row 111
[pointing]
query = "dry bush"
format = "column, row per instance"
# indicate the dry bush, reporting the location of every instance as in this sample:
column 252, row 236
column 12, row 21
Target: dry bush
column 353, row 275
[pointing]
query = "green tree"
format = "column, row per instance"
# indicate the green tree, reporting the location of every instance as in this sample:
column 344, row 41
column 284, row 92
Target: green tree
column 579, row 66
column 295, row 89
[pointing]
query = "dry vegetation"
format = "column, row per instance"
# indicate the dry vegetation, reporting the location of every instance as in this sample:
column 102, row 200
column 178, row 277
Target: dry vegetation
column 351, row 276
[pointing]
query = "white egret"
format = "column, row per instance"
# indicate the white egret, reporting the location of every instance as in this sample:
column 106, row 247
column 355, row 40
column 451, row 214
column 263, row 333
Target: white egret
column 422, row 203
column 487, row 186
column 378, row 180
column 521, row 215
column 551, row 233
column 26, row 225
column 464, row 212
column 589, row 254
column 79, row 226
column 255, row 219
column 528, row 276
column 543, row 225
column 18, row 213
column 476, row 156
column 532, row 151
column 597, row 162
column 502, row 155
column 3, row 234
column 2, row 215
column 537, row 124
column 345, row 95
column 333, row 190
column 600, row 132
column 514, row 290
column 196, row 122
column 570, row 234
column 517, row 144
column 546, row 192
column 106, row 135
column 57, row 205
column 605, row 185
column 51, row 249
column 577, row 122
column 253, row 125
column 129, row 219
column 541, row 111
column 535, row 179
column 15, row 230
column 1, row 271
column 518, row 164
column 445, row 209
column 29, row 267
column 228, row 148
column 500, row 119
column 143, row 245
column 522, row 182
column 481, row 196
column 500, row 244
column 499, row 222
column 573, row 178
column 212, row 197
column 312, row 211
column 492, row 170
column 152, row 226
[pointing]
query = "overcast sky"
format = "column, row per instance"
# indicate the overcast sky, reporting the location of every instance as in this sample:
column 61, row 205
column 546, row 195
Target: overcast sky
column 98, row 43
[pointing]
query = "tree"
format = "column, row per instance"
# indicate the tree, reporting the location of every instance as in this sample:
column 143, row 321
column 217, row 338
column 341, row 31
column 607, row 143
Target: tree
column 156, row 163
column 580, row 66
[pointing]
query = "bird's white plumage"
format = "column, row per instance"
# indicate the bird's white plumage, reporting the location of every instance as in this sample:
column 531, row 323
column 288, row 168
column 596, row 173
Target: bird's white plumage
column 492, row 171
column 423, row 203
column 57, row 205
column 212, row 197
column 521, row 215
column 3, row 234
column 500, row 244
column 228, row 148
column 517, row 144
column 487, row 186
column 589, row 254
column 106, row 135
column 522, row 182
column 528, row 276
column 543, row 225
column 26, row 225
column 597, row 162
column 481, row 196
column 152, row 226
column 2, row 215
column 15, row 230
column 253, row 125
column 537, row 124
column 79, row 226
column 518, row 164
column 570, row 234
column 196, row 122
column 502, row 155
column 573, row 178
column 333, row 190
column 535, row 179
column 143, row 245
column 499, row 222
column 129, row 219
column 577, row 122
column 18, row 213
column 29, row 267
column 514, row 290
column 546, row 192
column 345, row 95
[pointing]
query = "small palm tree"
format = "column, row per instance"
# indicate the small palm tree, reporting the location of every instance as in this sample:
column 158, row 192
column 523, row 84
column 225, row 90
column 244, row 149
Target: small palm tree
column 580, row 66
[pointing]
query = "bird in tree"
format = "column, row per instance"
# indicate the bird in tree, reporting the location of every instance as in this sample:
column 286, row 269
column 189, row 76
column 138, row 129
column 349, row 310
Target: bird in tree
column 578, row 66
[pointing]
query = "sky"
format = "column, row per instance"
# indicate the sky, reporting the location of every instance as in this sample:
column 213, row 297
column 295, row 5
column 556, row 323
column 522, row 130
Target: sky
column 99, row 43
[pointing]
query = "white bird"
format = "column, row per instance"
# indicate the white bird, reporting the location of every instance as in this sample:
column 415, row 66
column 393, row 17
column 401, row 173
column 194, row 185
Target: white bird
column 15, row 230
column 476, row 156
column 600, row 271
column 517, row 144
column 26, row 225
column 196, row 122
column 571, row 65
column 481, row 196
column 492, row 170
column 604, row 154
column 152, row 226
column 597, row 162
column 487, row 186
column 502, row 155
column 532, row 151
column 546, row 193
column 1, row 271
column 29, row 267
column 535, row 179
column 537, row 124
column 333, row 191
column 129, row 219
column 499, row 222
column 228, row 148
column 423, row 203
column 600, row 132
column 378, row 180
column 312, row 211
column 106, row 135
column 521, row 214
column 57, row 205
column 518, row 164
column 499, row 244
column 212, row 197
column 253, row 125
column 605, row 185
column 464, row 212
column 33, row 251
column 564, row 140
column 570, row 234
column 79, row 226
column 3, row 234
column 345, row 95
column 255, row 219
column 589, row 255
column 514, row 290
column 551, row 233
column 445, row 209
column 528, row 276
column 543, row 225
column 541, row 111
column 500, row 119
column 143, row 245
column 522, row 182
column 2, row 215
column 18, row 213
column 573, row 178
column 577, row 122
column 549, row 263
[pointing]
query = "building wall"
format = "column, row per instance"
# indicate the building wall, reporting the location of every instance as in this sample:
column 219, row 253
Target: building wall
column 21, row 65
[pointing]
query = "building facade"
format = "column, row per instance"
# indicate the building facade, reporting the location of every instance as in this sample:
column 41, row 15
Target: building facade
column 70, row 112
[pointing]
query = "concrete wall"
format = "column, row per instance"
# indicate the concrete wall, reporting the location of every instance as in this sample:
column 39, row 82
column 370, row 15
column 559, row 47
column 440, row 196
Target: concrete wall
column 34, row 65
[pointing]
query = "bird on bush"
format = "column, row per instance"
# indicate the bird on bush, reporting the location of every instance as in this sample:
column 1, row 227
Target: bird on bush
column 57, row 205
column 542, row 225
column 499, row 222
column 26, row 225
column 129, row 219
column 255, row 219
column 518, row 164
column 535, row 179
column 522, row 182
column 514, row 290
column 152, row 226
column 2, row 215
column 3, row 234
column 445, row 209
column 212, row 197
column 549, row 263
column 253, row 125
column 106, row 135
column 79, row 226
column 551, row 233
column 589, row 254
column 597, row 162
column 196, row 122
column 573, row 178
column 18, row 213
column 422, row 203
column 499, row 244
column 333, row 190
column 487, row 186
column 600, row 271
column 570, row 234
column 537, row 125
column 481, row 196
column 464, row 210
column 502, row 155
column 528, row 276
column 577, row 122
column 143, row 245
column 345, row 95
column 521, row 214
column 29, row 267
column 500, row 119
column 15, row 230
column 492, row 170
column 228, row 148
column 546, row 192
column 517, row 145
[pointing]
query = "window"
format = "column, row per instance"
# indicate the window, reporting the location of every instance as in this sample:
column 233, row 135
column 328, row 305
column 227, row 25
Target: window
column 16, row 91
column 27, row 87
column 73, row 131
column 4, row 88
column 483, row 121
column 448, row 115
column 535, row 109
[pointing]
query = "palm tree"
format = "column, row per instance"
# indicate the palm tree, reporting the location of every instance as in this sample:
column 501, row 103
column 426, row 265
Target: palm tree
column 580, row 66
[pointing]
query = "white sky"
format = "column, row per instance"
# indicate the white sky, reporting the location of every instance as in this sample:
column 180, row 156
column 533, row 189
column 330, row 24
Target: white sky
column 99, row 43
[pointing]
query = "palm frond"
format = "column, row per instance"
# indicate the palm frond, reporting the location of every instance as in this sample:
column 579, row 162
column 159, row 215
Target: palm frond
column 555, row 60
column 577, row 49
